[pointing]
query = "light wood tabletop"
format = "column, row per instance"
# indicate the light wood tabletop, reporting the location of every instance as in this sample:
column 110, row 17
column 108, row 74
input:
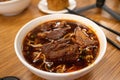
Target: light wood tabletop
column 107, row 69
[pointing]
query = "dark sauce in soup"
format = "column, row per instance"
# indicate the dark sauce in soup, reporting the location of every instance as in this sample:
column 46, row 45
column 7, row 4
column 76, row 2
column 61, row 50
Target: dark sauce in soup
column 60, row 46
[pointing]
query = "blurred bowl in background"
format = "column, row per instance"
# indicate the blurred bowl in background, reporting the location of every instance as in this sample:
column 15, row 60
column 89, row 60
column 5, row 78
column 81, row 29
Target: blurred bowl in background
column 13, row 7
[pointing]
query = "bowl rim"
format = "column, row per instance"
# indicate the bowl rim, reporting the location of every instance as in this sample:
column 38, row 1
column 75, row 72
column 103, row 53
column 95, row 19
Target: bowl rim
column 59, row 74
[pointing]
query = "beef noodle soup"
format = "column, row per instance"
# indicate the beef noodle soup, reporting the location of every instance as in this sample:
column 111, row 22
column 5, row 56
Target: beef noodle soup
column 60, row 46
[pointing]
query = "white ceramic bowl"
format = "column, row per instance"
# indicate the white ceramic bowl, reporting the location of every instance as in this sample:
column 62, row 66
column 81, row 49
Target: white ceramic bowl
column 13, row 7
column 59, row 76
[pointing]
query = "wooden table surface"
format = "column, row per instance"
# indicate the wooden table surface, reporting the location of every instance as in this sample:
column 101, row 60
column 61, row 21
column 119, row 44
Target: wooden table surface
column 107, row 69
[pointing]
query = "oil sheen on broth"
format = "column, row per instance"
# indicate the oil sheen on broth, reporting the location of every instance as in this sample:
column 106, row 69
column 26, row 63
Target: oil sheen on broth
column 60, row 46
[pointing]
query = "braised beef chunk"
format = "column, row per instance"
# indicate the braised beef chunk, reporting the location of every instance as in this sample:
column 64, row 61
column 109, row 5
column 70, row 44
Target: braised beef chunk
column 60, row 46
column 57, row 34
column 72, row 25
column 47, row 26
column 59, row 51
column 51, row 25
column 62, row 54
column 82, row 38
column 46, row 48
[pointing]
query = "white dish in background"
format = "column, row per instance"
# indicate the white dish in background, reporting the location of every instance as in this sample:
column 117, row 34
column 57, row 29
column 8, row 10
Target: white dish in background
column 43, row 7
column 13, row 7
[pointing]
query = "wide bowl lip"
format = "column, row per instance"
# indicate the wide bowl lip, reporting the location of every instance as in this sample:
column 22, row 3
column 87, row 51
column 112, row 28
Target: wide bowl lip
column 59, row 74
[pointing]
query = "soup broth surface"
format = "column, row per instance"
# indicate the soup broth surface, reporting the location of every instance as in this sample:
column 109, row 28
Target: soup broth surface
column 60, row 46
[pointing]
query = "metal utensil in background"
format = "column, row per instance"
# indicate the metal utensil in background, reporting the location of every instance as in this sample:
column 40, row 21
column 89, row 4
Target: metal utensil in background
column 100, row 4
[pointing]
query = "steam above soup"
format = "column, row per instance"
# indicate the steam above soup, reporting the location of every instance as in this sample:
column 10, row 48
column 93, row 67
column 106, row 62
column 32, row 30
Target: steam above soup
column 60, row 46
